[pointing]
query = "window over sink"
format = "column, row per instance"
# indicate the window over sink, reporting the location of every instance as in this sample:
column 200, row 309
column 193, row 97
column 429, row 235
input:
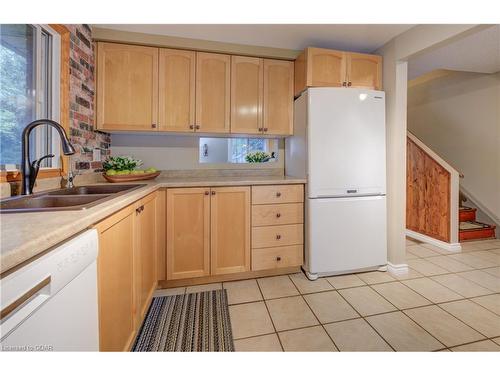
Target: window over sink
column 29, row 90
column 238, row 150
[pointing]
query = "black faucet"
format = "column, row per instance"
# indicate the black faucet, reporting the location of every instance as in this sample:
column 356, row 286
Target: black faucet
column 30, row 169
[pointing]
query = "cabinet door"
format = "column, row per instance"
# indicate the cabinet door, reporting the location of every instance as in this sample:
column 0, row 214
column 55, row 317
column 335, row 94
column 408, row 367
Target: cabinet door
column 115, row 281
column 325, row 67
column 176, row 90
column 278, row 97
column 247, row 78
column 213, row 76
column 145, row 257
column 230, row 230
column 127, row 87
column 364, row 71
column 188, row 233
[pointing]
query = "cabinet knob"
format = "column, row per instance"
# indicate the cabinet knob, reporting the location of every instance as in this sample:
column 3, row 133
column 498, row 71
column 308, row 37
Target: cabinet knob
column 265, row 129
column 278, row 236
column 349, row 84
column 207, row 192
column 197, row 126
column 153, row 126
column 344, row 84
column 278, row 258
column 278, row 194
column 260, row 129
column 278, row 215
column 191, row 126
column 213, row 192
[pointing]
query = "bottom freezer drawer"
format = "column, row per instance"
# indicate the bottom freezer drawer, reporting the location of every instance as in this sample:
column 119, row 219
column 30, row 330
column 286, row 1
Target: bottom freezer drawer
column 345, row 234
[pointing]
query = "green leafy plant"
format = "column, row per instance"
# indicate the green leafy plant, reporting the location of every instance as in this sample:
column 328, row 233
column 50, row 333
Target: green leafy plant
column 121, row 163
column 257, row 157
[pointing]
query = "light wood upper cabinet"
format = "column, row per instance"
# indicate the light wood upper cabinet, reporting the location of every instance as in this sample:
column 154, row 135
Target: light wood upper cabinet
column 247, row 80
column 176, row 106
column 319, row 67
column 278, row 97
column 188, row 233
column 213, row 79
column 116, row 281
column 364, row 71
column 127, row 87
column 145, row 254
column 230, row 230
column 326, row 67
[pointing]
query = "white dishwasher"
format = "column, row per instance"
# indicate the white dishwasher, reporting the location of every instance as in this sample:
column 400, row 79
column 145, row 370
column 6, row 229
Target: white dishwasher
column 51, row 303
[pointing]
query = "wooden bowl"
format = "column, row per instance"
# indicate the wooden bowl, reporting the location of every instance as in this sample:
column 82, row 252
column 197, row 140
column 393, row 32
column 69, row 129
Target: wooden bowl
column 131, row 177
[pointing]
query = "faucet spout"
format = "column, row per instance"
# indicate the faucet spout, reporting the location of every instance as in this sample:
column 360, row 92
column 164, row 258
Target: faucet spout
column 29, row 171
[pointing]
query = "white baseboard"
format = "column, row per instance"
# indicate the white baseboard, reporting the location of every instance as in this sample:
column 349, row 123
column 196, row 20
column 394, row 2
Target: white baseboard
column 397, row 269
column 452, row 247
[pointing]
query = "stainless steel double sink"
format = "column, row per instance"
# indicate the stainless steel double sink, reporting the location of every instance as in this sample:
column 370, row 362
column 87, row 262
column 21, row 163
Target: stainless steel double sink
column 76, row 198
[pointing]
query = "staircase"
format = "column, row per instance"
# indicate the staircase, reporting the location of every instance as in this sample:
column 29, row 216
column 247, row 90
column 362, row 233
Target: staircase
column 470, row 229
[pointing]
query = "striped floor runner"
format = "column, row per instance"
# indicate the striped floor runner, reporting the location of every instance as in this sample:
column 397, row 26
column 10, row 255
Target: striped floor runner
column 193, row 322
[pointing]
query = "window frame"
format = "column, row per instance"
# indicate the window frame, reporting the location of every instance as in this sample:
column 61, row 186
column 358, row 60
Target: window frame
column 60, row 96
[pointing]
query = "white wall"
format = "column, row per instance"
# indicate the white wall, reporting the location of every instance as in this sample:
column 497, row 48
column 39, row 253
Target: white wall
column 395, row 54
column 175, row 152
column 458, row 116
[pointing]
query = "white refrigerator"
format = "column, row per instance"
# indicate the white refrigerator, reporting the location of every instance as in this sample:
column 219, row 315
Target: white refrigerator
column 339, row 147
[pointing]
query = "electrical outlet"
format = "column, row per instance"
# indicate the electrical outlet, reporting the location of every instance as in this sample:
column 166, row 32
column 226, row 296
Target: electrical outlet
column 96, row 154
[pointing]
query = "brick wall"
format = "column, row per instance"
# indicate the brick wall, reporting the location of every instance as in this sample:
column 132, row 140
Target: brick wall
column 82, row 94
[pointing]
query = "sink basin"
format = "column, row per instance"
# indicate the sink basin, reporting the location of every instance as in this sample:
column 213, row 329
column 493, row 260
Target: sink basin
column 94, row 189
column 77, row 198
column 50, row 203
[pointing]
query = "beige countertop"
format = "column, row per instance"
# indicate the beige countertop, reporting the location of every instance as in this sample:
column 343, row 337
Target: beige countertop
column 25, row 235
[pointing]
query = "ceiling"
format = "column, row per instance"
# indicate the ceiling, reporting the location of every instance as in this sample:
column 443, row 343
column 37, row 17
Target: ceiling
column 478, row 52
column 357, row 38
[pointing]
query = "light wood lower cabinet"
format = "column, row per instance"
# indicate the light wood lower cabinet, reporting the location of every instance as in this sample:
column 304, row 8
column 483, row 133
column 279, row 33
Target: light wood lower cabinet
column 116, row 281
column 188, row 233
column 208, row 231
column 145, row 254
column 277, row 226
column 126, row 272
column 230, row 230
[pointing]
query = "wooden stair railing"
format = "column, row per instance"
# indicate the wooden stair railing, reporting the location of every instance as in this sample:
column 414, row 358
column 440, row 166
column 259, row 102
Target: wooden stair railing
column 431, row 193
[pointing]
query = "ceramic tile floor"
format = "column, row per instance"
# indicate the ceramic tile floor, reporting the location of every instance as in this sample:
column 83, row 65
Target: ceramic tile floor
column 448, row 301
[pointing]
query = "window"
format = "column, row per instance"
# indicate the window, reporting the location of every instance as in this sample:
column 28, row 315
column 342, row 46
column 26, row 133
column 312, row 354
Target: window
column 29, row 90
column 236, row 150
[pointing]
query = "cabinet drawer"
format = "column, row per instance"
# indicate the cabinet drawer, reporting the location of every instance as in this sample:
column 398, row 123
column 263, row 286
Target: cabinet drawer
column 277, row 235
column 277, row 257
column 277, row 214
column 277, row 194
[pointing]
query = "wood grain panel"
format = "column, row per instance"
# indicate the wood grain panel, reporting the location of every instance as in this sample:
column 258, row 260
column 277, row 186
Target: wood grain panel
column 230, row 229
column 278, row 97
column 188, row 233
column 364, row 71
column 176, row 90
column 277, row 194
column 213, row 79
column 127, row 87
column 247, row 80
column 428, row 199
column 277, row 235
column 325, row 67
column 277, row 214
column 277, row 257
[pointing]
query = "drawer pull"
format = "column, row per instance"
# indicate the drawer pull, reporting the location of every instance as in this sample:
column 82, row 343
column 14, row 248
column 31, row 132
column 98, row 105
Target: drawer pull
column 278, row 236
column 278, row 194
column 278, row 215
column 278, row 258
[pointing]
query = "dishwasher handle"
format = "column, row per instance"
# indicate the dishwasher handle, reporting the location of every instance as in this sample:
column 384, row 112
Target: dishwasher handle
column 25, row 297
